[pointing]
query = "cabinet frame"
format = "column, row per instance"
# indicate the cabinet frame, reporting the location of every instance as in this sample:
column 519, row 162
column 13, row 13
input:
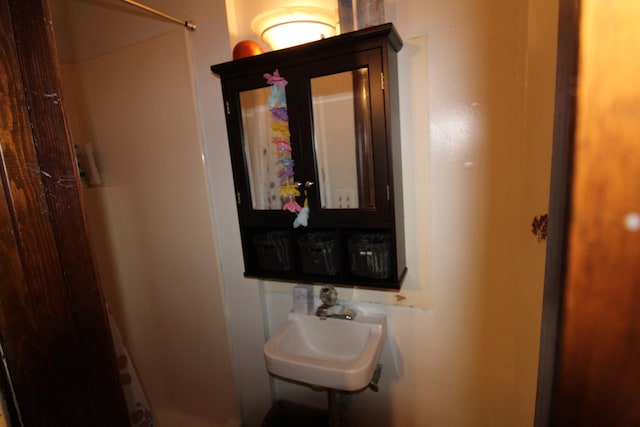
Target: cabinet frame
column 374, row 48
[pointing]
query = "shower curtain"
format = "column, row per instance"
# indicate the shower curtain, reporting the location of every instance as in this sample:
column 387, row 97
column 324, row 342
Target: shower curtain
column 137, row 405
column 260, row 153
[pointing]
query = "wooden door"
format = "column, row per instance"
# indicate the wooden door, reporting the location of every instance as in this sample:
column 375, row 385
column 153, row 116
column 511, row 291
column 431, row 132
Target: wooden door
column 53, row 322
column 590, row 349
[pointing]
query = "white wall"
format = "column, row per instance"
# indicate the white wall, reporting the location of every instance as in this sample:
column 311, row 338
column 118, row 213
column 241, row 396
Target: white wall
column 476, row 99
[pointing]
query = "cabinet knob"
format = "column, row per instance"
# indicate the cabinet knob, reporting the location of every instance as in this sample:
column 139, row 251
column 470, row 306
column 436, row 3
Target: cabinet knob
column 307, row 184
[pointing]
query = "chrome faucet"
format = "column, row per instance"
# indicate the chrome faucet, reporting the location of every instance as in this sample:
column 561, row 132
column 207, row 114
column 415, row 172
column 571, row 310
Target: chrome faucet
column 330, row 306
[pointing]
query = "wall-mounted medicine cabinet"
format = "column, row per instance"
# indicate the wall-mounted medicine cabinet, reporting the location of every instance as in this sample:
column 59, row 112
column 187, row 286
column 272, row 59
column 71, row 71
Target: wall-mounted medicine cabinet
column 314, row 140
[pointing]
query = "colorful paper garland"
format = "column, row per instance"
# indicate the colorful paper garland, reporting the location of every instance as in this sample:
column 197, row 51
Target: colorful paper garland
column 281, row 138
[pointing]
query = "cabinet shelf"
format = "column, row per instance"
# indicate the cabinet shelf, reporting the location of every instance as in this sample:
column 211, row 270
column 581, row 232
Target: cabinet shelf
column 317, row 125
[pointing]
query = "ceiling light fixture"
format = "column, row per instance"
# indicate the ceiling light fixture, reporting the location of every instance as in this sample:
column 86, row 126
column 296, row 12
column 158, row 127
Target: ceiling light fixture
column 291, row 26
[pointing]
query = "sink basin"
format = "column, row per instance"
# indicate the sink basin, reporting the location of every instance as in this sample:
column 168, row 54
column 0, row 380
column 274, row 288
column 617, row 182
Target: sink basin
column 333, row 353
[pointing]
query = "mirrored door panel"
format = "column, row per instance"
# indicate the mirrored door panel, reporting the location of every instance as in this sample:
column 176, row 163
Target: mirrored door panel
column 343, row 142
column 263, row 140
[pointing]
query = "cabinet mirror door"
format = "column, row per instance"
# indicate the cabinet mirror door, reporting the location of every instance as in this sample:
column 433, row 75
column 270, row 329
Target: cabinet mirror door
column 343, row 139
column 262, row 137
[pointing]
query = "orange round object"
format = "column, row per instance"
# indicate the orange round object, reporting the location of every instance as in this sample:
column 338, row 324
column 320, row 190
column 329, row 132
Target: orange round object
column 246, row 48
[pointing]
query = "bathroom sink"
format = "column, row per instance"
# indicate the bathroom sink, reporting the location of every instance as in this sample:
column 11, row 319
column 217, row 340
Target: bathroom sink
column 333, row 353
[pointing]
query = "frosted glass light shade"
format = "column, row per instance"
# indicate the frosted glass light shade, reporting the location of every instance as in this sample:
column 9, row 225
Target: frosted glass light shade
column 291, row 26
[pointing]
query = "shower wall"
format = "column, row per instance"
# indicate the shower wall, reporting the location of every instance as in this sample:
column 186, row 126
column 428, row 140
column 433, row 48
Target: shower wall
column 151, row 224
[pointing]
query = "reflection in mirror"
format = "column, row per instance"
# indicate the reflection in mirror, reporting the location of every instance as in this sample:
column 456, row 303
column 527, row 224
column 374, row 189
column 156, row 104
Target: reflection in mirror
column 342, row 137
column 261, row 156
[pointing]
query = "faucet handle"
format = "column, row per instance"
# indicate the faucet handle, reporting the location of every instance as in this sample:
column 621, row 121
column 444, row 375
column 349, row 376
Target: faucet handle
column 329, row 295
column 322, row 312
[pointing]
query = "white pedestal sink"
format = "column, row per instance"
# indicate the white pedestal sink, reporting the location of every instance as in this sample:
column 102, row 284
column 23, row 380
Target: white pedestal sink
column 333, row 353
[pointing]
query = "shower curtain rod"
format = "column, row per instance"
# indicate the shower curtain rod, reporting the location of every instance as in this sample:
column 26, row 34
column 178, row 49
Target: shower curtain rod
column 189, row 24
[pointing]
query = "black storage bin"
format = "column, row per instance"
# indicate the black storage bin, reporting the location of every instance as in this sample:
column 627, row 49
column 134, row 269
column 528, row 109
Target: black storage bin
column 274, row 250
column 370, row 255
column 320, row 253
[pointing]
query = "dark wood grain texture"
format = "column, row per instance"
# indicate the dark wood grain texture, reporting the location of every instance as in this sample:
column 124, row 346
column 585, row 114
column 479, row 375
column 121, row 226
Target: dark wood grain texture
column 53, row 318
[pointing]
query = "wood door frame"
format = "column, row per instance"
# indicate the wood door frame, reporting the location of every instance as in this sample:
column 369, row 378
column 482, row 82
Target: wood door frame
column 559, row 204
column 53, row 321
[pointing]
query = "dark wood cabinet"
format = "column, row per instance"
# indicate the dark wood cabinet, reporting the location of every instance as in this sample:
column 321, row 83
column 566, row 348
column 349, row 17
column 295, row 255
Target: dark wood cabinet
column 314, row 142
